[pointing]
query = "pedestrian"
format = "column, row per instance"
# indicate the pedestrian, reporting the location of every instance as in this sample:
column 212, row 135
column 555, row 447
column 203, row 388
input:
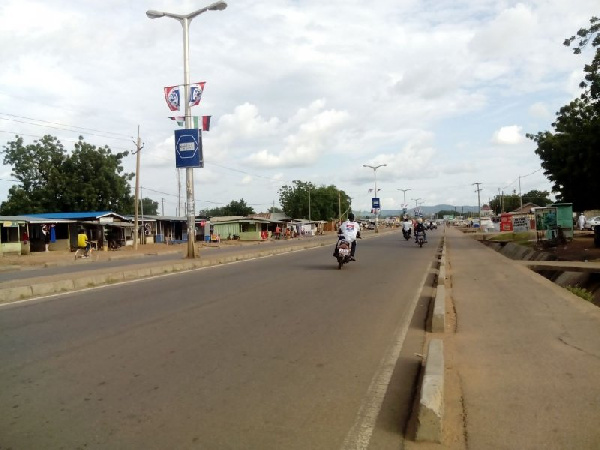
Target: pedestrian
column 46, row 233
column 581, row 221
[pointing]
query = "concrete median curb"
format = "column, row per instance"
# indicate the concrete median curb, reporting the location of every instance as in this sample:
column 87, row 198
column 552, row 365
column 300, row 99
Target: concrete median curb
column 430, row 412
column 431, row 400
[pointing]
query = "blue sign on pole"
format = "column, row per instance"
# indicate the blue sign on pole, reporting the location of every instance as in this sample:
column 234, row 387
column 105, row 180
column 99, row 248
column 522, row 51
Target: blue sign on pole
column 375, row 203
column 188, row 148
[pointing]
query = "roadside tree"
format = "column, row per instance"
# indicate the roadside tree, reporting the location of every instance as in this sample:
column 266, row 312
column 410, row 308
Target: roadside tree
column 570, row 155
column 51, row 180
column 326, row 202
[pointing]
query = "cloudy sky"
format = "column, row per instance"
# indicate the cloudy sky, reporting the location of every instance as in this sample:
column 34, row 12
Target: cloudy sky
column 442, row 91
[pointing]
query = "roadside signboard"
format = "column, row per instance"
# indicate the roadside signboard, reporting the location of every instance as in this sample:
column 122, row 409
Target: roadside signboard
column 506, row 223
column 375, row 203
column 188, row 148
column 520, row 224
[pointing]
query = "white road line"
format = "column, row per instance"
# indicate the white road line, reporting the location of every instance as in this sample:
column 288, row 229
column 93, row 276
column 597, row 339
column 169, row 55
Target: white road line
column 359, row 436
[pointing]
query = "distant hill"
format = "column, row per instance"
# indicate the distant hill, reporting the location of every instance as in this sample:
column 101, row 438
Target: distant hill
column 426, row 210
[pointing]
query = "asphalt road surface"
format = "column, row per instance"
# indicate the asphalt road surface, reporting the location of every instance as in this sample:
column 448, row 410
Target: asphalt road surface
column 283, row 352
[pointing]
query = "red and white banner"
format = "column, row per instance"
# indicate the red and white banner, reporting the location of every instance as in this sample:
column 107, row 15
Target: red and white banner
column 196, row 90
column 172, row 97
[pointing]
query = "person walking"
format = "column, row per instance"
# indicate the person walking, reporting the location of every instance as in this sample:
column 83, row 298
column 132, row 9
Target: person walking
column 581, row 221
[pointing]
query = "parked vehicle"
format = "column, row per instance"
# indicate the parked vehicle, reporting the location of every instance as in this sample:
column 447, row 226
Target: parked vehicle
column 591, row 223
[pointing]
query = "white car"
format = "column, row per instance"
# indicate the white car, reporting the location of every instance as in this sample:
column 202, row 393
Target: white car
column 591, row 223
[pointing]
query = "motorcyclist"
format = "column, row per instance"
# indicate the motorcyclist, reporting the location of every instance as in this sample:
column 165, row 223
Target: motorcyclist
column 420, row 228
column 406, row 226
column 350, row 231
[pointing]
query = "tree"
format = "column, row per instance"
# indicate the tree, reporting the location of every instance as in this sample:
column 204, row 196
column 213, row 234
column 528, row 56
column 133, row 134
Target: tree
column 234, row 208
column 149, row 207
column 325, row 201
column 39, row 169
column 50, row 180
column 512, row 202
column 570, row 155
column 275, row 209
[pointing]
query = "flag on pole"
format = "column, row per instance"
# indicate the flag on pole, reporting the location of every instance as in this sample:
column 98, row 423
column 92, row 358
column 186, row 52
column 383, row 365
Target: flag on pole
column 172, row 97
column 180, row 119
column 205, row 123
column 196, row 90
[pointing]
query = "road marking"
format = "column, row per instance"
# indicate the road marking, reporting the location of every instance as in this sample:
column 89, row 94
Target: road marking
column 359, row 436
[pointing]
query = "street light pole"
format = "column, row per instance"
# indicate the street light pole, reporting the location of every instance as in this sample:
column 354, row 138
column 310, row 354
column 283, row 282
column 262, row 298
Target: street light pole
column 376, row 212
column 404, row 191
column 185, row 20
column 416, row 200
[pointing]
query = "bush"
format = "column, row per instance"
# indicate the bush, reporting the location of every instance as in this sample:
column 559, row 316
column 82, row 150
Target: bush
column 581, row 292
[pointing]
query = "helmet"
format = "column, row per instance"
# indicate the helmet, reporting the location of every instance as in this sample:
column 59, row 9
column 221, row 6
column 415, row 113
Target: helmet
column 419, row 220
column 351, row 216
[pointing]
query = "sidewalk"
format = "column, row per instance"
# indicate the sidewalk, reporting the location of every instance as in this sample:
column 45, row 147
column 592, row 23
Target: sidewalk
column 525, row 354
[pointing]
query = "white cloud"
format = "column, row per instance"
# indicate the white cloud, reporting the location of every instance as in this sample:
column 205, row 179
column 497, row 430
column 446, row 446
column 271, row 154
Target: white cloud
column 509, row 135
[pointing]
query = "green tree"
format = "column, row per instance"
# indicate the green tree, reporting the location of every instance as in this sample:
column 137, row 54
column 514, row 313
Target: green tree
column 50, row 180
column 149, row 206
column 39, row 169
column 234, row 208
column 570, row 155
column 325, row 201
column 512, row 202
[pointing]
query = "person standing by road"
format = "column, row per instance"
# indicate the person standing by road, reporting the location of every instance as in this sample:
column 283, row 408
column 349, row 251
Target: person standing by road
column 581, row 221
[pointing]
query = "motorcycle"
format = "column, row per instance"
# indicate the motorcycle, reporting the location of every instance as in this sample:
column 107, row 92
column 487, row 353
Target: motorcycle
column 406, row 233
column 420, row 238
column 343, row 252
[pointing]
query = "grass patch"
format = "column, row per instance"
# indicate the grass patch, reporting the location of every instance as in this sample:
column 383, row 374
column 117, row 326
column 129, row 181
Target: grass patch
column 519, row 238
column 581, row 292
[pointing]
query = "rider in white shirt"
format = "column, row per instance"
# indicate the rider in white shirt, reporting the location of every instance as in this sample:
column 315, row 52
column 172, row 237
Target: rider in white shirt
column 351, row 231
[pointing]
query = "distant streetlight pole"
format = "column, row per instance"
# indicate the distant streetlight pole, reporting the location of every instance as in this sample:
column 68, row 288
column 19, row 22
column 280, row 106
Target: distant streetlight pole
column 185, row 20
column 478, row 201
column 404, row 191
column 416, row 200
column 376, row 212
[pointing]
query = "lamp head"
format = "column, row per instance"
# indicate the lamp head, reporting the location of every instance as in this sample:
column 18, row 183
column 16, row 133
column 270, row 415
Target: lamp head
column 218, row 6
column 152, row 14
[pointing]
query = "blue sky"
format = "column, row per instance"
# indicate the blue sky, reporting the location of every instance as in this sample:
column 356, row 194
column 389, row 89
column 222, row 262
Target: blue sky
column 443, row 92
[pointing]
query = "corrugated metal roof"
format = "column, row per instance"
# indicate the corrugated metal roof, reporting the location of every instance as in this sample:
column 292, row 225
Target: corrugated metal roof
column 31, row 219
column 77, row 215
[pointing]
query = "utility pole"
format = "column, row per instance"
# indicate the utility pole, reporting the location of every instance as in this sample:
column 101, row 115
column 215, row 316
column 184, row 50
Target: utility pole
column 520, row 196
column 178, row 192
column 163, row 206
column 340, row 206
column 309, row 203
column 139, row 147
column 142, row 233
column 478, row 201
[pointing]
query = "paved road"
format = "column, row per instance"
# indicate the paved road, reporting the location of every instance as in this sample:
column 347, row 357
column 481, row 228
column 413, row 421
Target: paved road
column 280, row 352
column 69, row 265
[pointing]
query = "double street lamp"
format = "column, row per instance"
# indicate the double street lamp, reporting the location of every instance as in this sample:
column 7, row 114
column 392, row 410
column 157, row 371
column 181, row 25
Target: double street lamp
column 404, row 191
column 376, row 212
column 185, row 20
column 416, row 200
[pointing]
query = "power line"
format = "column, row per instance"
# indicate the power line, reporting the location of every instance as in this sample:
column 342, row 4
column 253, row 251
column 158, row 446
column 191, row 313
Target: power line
column 63, row 139
column 61, row 126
